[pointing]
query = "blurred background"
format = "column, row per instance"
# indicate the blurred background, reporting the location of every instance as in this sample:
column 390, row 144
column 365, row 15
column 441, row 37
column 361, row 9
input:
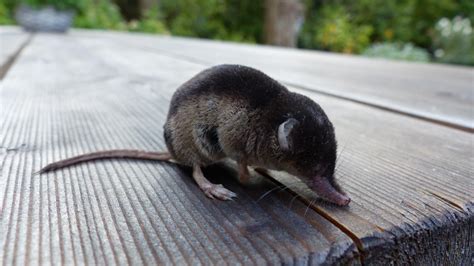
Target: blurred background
column 417, row 30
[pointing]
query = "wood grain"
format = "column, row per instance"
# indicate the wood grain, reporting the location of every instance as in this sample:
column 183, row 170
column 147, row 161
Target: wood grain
column 434, row 92
column 410, row 180
column 411, row 185
column 64, row 97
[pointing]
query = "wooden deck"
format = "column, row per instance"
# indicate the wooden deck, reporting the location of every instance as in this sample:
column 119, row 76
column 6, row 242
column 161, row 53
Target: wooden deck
column 405, row 133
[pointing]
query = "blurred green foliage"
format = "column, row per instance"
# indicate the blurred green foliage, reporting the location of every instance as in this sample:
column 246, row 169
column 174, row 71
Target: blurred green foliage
column 454, row 41
column 389, row 28
column 5, row 16
column 150, row 22
column 399, row 51
column 350, row 26
column 236, row 20
column 334, row 31
column 392, row 20
column 99, row 14
column 201, row 18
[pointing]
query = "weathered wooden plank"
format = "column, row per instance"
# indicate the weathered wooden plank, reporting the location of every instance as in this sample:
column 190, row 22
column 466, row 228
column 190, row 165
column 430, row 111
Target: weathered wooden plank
column 433, row 92
column 11, row 41
column 120, row 211
column 410, row 180
column 411, row 184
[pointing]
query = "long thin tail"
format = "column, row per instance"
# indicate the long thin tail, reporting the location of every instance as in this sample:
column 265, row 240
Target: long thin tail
column 132, row 154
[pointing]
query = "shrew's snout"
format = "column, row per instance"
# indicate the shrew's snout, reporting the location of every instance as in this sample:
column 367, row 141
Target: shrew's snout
column 324, row 189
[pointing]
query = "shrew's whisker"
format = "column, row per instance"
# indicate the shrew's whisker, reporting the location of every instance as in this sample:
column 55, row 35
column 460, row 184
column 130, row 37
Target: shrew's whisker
column 292, row 199
column 281, row 188
column 309, row 205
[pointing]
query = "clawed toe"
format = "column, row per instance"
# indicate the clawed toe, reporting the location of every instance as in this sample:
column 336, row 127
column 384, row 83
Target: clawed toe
column 219, row 191
column 211, row 190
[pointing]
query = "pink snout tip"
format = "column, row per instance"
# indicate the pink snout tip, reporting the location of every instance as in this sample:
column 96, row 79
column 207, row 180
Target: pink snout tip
column 325, row 190
column 343, row 200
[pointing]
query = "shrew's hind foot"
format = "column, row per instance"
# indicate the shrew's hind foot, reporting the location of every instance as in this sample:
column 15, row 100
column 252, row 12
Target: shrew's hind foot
column 218, row 191
column 211, row 190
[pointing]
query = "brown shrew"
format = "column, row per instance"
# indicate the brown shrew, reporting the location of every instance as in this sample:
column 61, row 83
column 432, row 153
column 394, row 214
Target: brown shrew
column 237, row 112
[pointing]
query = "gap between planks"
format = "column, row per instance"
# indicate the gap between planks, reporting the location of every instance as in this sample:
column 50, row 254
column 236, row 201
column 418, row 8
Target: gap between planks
column 357, row 241
column 12, row 59
column 399, row 111
column 395, row 109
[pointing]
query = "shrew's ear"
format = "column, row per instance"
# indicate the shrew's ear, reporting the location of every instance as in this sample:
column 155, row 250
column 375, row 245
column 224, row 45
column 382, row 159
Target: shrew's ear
column 284, row 131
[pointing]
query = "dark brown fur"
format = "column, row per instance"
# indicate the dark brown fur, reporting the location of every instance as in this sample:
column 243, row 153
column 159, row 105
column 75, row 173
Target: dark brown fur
column 237, row 112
